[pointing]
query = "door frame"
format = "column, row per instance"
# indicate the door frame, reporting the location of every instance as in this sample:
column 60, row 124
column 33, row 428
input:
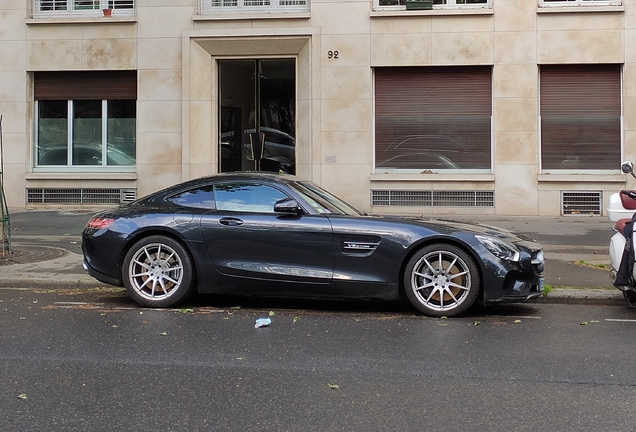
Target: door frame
column 256, row 138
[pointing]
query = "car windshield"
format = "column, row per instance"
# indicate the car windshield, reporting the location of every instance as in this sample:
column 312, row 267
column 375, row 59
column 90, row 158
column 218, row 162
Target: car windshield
column 323, row 201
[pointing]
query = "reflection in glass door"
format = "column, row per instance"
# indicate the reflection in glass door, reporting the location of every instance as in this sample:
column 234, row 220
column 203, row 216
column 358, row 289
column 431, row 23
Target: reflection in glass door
column 262, row 139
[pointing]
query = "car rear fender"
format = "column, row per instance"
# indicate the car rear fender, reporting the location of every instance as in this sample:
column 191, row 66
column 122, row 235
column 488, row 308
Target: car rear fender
column 158, row 231
column 442, row 239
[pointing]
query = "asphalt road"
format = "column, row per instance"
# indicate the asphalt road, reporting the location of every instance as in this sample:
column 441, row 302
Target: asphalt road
column 78, row 360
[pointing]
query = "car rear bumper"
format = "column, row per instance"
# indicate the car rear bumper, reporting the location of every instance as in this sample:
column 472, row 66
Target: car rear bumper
column 100, row 276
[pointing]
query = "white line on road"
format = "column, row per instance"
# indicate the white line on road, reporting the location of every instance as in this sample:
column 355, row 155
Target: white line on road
column 621, row 320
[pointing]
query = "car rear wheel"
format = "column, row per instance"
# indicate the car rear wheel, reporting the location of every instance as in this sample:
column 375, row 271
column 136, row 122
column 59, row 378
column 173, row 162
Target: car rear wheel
column 157, row 272
column 441, row 280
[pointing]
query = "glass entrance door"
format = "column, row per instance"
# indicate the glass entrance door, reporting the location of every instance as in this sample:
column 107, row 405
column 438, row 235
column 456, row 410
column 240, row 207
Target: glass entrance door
column 257, row 125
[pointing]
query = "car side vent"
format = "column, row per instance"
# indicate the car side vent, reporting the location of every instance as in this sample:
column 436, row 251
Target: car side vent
column 79, row 196
column 360, row 245
column 427, row 198
column 581, row 203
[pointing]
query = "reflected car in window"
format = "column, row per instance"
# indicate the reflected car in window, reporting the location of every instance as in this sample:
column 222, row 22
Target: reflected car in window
column 268, row 234
column 83, row 154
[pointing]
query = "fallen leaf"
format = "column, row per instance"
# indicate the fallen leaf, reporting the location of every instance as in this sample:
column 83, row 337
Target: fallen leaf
column 517, row 321
column 476, row 323
column 584, row 323
column 333, row 386
column 164, row 333
column 594, row 321
column 271, row 313
column 185, row 311
column 296, row 319
column 22, row 396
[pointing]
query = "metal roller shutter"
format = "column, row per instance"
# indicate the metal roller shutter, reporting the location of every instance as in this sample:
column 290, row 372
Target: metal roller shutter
column 85, row 85
column 580, row 117
column 433, row 118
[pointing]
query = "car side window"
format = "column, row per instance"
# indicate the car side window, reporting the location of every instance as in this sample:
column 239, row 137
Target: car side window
column 245, row 197
column 199, row 197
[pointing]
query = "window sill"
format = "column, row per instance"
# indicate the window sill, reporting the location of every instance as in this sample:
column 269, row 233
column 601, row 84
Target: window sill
column 251, row 16
column 486, row 178
column 383, row 13
column 579, row 9
column 81, row 20
column 581, row 178
column 81, row 176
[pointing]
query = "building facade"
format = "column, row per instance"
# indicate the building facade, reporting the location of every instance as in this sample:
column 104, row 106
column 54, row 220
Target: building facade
column 510, row 107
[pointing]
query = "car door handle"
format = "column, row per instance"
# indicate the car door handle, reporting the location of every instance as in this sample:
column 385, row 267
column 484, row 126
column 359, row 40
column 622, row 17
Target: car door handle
column 230, row 221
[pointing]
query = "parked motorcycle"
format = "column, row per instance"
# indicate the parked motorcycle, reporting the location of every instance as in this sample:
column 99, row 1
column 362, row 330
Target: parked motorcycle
column 621, row 209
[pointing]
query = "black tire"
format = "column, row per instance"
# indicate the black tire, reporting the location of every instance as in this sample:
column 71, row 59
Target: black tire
column 448, row 290
column 158, row 272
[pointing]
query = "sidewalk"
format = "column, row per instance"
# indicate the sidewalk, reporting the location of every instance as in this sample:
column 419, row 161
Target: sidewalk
column 47, row 252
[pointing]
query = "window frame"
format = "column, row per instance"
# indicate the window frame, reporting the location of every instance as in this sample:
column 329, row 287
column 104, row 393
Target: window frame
column 432, row 134
column 450, row 5
column 578, row 3
column 91, row 8
column 70, row 167
column 67, row 86
column 620, row 133
column 224, row 7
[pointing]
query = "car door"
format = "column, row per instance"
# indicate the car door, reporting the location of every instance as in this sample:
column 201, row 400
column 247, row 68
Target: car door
column 244, row 238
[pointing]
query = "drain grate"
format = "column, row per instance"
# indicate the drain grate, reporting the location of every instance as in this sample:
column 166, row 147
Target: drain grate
column 584, row 203
column 79, row 196
column 428, row 198
column 31, row 254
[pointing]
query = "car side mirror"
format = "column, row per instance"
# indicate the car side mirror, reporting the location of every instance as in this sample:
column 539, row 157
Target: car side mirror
column 627, row 167
column 287, row 206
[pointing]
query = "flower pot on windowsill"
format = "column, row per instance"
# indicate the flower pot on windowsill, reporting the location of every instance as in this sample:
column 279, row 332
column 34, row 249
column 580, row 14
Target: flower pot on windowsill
column 418, row 4
column 107, row 12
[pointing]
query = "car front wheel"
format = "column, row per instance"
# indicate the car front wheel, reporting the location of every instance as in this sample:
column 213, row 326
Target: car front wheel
column 441, row 280
column 157, row 272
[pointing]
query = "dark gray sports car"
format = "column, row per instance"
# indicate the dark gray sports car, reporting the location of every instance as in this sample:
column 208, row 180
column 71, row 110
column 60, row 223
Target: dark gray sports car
column 276, row 235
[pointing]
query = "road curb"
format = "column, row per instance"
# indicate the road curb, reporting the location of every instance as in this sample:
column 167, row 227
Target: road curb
column 586, row 296
column 582, row 296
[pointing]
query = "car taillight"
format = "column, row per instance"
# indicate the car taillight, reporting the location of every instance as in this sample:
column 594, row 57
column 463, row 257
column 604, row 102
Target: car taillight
column 99, row 223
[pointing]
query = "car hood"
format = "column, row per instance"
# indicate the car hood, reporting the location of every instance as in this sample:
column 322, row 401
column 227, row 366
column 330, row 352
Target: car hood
column 449, row 226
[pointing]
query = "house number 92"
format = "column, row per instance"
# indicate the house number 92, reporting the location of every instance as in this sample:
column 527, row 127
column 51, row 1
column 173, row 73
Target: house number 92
column 332, row 54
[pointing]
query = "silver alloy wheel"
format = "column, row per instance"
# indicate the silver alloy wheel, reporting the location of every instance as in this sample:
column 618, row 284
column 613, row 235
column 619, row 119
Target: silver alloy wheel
column 441, row 280
column 155, row 271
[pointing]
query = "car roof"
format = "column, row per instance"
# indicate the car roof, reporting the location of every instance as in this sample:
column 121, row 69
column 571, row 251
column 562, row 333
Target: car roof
column 244, row 175
column 231, row 176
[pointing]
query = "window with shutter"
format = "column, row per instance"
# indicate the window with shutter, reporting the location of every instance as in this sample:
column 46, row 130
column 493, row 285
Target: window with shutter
column 433, row 119
column 580, row 110
column 85, row 119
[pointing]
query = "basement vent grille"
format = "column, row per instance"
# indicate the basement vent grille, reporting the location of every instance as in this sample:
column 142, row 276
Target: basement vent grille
column 429, row 198
column 575, row 203
column 80, row 196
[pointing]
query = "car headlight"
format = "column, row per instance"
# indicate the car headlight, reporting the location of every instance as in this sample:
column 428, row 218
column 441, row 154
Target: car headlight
column 499, row 248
